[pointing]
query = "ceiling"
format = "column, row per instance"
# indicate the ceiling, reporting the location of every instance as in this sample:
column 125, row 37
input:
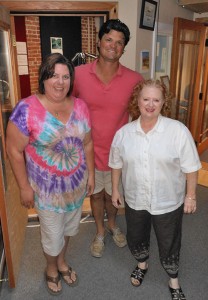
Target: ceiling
column 197, row 6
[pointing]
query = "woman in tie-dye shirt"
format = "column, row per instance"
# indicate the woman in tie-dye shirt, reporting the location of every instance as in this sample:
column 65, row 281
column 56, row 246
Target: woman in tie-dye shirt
column 51, row 152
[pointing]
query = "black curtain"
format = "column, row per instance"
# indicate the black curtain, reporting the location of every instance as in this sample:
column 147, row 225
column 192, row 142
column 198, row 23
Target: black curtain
column 65, row 27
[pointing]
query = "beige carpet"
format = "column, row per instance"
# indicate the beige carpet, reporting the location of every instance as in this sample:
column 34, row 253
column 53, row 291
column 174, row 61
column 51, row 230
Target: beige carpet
column 203, row 174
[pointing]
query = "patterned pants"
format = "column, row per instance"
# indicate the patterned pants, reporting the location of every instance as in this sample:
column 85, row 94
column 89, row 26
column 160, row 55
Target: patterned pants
column 167, row 227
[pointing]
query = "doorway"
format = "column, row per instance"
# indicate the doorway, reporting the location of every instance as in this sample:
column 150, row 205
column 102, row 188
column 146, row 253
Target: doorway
column 106, row 9
column 188, row 74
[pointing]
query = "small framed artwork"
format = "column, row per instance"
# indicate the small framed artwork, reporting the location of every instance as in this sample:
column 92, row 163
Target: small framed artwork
column 144, row 61
column 56, row 45
column 148, row 14
column 166, row 81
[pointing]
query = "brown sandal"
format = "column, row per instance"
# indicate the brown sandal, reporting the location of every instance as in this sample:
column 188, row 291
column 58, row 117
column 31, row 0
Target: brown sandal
column 53, row 280
column 69, row 273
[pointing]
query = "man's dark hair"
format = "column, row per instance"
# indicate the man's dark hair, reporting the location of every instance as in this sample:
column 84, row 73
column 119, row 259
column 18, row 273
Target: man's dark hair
column 46, row 70
column 115, row 24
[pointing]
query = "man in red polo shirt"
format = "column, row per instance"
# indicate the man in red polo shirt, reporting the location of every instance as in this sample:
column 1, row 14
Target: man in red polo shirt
column 106, row 86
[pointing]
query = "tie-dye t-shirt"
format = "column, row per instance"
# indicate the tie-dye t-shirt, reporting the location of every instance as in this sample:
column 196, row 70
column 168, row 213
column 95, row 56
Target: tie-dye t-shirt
column 55, row 158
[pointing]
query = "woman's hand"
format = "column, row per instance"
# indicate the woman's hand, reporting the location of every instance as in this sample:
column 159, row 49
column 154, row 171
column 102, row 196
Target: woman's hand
column 27, row 197
column 189, row 205
column 90, row 184
column 116, row 199
column 89, row 152
column 190, row 199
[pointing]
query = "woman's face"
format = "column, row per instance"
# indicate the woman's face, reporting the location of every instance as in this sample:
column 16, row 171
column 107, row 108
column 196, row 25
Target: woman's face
column 150, row 102
column 111, row 46
column 57, row 87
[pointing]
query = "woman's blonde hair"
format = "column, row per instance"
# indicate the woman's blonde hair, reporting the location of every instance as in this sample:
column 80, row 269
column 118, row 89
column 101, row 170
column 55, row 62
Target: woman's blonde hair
column 133, row 103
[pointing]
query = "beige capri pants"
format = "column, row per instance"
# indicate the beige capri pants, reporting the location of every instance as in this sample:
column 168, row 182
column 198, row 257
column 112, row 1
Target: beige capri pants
column 55, row 226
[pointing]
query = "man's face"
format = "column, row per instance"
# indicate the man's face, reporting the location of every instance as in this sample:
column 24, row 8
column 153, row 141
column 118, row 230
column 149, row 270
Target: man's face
column 111, row 46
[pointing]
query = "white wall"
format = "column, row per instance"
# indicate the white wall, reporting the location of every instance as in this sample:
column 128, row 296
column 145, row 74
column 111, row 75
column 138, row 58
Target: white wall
column 141, row 39
column 204, row 15
column 128, row 13
column 146, row 39
column 170, row 9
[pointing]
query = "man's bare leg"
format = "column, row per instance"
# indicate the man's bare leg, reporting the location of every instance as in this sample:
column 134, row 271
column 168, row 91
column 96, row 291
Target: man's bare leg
column 52, row 271
column 118, row 237
column 97, row 202
column 111, row 211
column 98, row 210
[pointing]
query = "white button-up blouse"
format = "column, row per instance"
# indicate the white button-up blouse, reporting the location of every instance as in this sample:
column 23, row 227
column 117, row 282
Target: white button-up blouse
column 154, row 164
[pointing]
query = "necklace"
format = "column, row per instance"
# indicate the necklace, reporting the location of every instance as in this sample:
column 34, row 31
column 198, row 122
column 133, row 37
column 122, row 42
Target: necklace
column 56, row 114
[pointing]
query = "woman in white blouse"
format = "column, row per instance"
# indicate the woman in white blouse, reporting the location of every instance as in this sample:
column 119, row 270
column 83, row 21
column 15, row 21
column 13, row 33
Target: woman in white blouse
column 158, row 161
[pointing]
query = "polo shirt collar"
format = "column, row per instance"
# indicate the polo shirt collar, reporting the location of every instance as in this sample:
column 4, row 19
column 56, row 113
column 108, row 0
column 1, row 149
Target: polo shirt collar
column 93, row 68
column 159, row 126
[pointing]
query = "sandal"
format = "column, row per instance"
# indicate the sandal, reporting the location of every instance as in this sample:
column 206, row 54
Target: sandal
column 177, row 294
column 53, row 280
column 138, row 274
column 69, row 273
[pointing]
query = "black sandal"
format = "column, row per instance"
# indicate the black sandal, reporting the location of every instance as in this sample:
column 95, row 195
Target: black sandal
column 177, row 294
column 138, row 274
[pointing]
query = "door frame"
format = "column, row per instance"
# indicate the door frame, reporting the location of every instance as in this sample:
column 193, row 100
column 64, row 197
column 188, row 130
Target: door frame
column 179, row 24
column 67, row 8
column 62, row 7
column 12, row 215
column 203, row 144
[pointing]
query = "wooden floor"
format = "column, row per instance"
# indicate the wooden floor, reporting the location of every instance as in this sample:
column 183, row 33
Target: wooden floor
column 32, row 212
column 204, row 165
column 203, row 174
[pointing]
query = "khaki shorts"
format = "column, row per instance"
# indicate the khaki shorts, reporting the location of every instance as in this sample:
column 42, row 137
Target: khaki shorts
column 55, row 226
column 103, row 182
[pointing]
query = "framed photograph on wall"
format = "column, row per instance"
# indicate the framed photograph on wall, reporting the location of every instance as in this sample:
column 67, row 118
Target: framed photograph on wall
column 166, row 81
column 148, row 14
column 144, row 61
column 56, row 45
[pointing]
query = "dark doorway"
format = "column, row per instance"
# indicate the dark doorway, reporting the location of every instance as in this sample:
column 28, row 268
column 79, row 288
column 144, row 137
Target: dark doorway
column 65, row 29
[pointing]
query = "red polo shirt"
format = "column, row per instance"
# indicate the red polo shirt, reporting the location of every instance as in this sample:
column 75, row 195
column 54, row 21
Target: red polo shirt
column 107, row 104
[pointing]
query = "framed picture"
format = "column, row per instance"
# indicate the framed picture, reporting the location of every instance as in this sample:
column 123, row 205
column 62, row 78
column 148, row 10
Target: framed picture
column 166, row 81
column 148, row 14
column 144, row 61
column 56, row 45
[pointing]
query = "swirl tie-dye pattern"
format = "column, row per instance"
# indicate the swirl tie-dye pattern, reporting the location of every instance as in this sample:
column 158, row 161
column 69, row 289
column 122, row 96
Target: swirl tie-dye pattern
column 55, row 158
